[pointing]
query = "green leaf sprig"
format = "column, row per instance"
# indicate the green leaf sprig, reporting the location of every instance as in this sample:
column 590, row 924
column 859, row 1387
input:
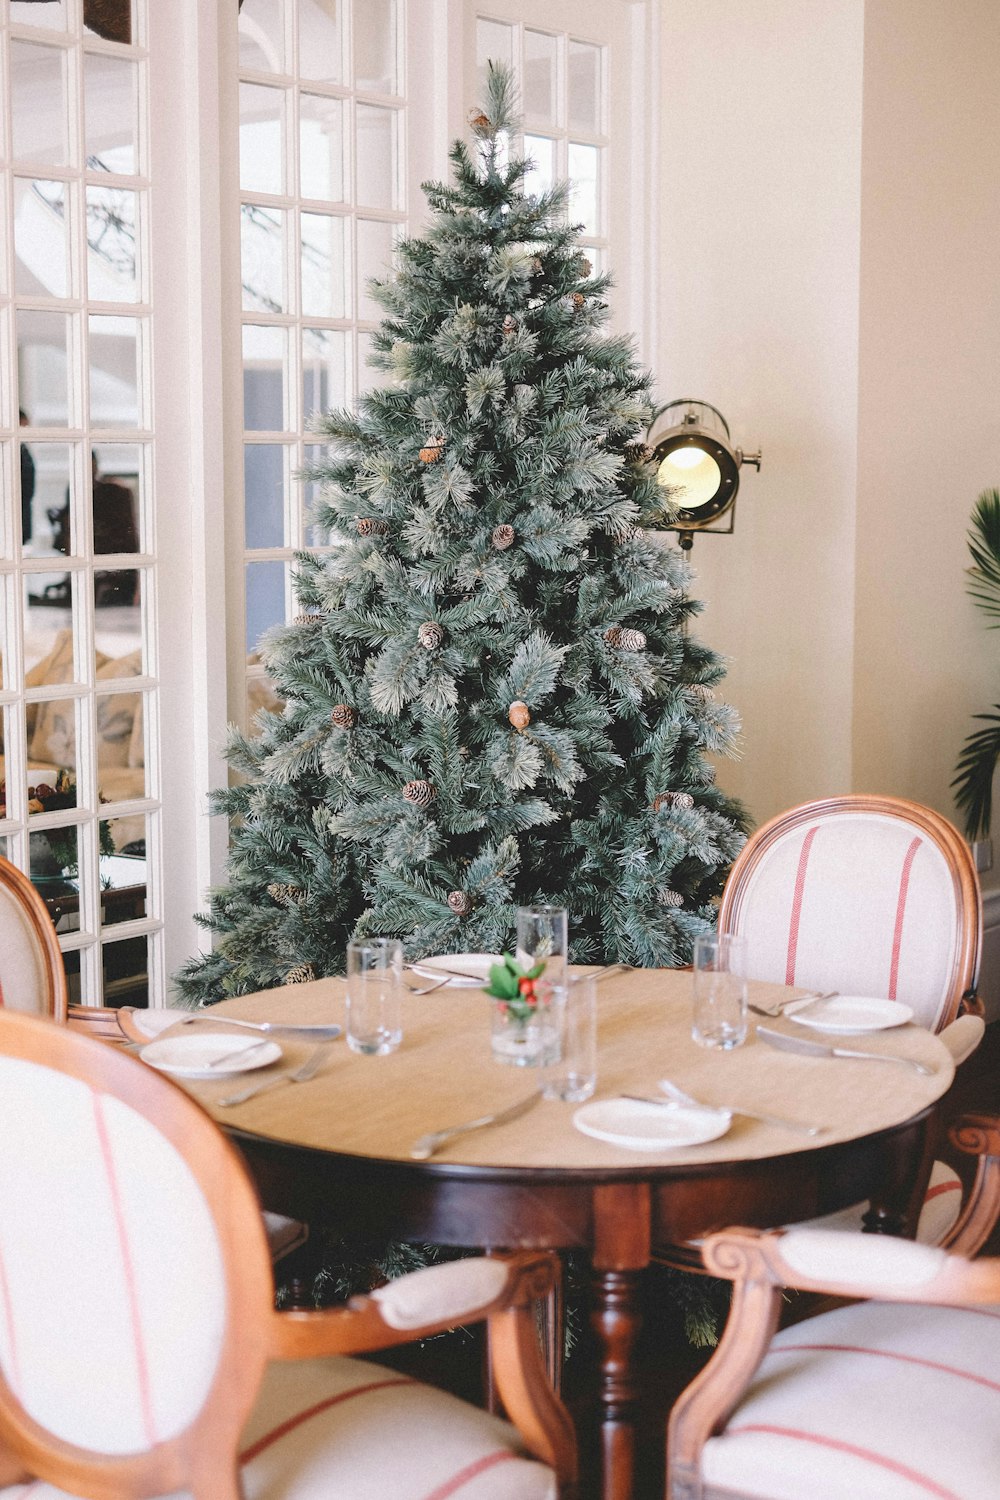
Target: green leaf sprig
column 514, row 986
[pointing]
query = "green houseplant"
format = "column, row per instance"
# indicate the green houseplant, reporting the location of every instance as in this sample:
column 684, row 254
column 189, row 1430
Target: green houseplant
column 973, row 783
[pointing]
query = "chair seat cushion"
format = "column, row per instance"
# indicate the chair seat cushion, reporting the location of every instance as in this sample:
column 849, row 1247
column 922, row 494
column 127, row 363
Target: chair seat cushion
column 942, row 1203
column 355, row 1430
column 898, row 1401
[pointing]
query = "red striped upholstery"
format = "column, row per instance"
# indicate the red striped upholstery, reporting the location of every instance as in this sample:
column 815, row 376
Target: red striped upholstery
column 875, row 1399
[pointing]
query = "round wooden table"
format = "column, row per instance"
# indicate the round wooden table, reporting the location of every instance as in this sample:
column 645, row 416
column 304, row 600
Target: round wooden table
column 335, row 1149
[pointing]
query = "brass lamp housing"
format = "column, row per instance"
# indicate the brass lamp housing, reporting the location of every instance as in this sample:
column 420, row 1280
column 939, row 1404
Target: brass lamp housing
column 698, row 463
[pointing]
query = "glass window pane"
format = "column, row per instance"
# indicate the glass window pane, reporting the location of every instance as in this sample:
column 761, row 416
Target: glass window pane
column 375, row 46
column 262, row 241
column 117, row 528
column 584, row 162
column 123, row 870
column 321, row 34
column 494, row 43
column 47, row 476
column 262, row 137
column 117, row 781
column 118, row 623
column 54, row 864
column 41, row 265
column 264, row 494
column 53, row 15
column 584, row 87
column 125, row 971
column 43, row 364
column 48, row 642
column 114, row 371
column 265, row 595
column 375, row 241
column 110, row 19
column 264, row 359
column 262, row 35
column 39, row 108
column 111, row 245
column 51, row 750
column 377, row 174
column 541, row 150
column 541, row 63
column 110, row 94
column 323, row 270
column 324, row 370
column 321, row 146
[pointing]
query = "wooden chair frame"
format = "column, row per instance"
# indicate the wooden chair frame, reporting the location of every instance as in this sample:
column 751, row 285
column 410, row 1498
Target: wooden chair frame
column 203, row 1457
column 35, row 915
column 957, row 854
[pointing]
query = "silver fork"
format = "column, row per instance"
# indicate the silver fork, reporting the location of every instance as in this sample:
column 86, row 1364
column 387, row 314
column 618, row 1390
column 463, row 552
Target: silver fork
column 301, row 1074
column 781, row 1008
column 429, row 989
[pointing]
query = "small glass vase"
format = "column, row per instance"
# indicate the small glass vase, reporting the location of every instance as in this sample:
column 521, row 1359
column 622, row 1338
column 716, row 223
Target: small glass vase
column 524, row 1040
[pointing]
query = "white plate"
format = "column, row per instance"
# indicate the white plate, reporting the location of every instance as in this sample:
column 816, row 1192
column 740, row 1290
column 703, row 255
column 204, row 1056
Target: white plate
column 476, row 965
column 650, row 1127
column 193, row 1056
column 853, row 1013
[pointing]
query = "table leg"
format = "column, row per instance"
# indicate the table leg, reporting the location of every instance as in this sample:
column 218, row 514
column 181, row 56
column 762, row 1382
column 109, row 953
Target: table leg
column 895, row 1208
column 621, row 1252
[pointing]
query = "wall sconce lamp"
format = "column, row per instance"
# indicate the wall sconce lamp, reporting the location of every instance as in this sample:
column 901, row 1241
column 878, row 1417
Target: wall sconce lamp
column 697, row 465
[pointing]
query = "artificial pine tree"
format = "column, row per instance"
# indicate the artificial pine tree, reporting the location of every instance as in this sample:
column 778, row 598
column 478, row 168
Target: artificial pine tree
column 491, row 696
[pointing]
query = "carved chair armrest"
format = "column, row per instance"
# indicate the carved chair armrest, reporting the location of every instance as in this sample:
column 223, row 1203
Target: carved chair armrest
column 500, row 1289
column 977, row 1135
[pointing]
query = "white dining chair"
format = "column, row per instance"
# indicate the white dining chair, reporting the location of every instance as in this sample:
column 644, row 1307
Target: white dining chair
column 172, row 1374
column 873, row 896
column 892, row 1396
column 32, row 976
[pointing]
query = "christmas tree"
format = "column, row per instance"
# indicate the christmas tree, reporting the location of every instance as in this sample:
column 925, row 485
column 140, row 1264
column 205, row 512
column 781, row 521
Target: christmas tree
column 492, row 696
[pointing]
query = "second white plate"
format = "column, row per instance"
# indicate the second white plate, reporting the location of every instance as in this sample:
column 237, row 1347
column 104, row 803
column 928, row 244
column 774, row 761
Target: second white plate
column 650, row 1127
column 467, row 971
column 195, row 1055
column 853, row 1013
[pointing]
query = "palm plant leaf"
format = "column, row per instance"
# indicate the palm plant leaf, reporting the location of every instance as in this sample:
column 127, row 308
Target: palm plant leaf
column 973, row 783
column 984, row 544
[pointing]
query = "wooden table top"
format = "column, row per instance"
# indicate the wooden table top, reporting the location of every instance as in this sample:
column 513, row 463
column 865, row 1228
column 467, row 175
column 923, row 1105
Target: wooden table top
column 444, row 1073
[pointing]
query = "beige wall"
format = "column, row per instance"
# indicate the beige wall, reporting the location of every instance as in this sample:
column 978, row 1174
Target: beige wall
column 829, row 280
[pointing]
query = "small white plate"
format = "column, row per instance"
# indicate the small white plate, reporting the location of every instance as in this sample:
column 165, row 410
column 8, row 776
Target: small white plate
column 650, row 1127
column 853, row 1013
column 476, row 965
column 193, row 1056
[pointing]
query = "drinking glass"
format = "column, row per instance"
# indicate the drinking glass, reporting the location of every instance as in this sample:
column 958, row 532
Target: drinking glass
column 542, row 938
column 374, row 990
column 720, row 990
column 572, row 1076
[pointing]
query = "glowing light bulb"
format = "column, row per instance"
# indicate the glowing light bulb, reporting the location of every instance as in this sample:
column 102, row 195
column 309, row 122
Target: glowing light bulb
column 686, row 458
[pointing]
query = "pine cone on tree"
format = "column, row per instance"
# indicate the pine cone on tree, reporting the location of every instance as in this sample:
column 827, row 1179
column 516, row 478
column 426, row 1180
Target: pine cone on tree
column 420, row 793
column 579, row 301
column 460, row 903
column 536, row 266
column 673, row 799
column 519, row 714
column 479, row 122
column 509, row 326
column 430, row 635
column 503, row 537
column 638, row 451
column 301, row 974
column 343, row 716
column 666, row 897
column 286, row 895
column 631, row 640
column 583, row 267
column 312, row 618
column 371, row 526
column 613, row 635
column 700, row 692
column 432, row 450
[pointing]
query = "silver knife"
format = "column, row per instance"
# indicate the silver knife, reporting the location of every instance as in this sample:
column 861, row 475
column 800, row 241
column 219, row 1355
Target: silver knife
column 821, row 1049
column 426, row 1145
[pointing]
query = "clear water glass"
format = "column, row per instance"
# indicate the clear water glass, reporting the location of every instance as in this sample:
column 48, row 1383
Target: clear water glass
column 374, row 995
column 719, row 1017
column 542, row 937
column 572, row 1075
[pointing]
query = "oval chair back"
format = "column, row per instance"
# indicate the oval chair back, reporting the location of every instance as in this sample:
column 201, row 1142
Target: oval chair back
column 138, row 1374
column 32, row 975
column 865, row 895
